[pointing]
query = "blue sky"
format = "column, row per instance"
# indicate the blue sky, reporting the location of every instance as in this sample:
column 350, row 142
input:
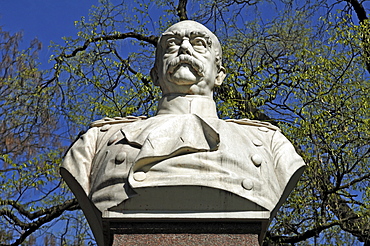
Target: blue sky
column 43, row 19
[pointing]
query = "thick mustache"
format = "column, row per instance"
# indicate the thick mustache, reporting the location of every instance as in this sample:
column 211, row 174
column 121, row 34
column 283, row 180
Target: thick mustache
column 186, row 59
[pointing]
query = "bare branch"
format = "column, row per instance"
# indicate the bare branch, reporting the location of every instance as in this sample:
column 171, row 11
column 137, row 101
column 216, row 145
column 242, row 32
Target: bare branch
column 362, row 17
column 149, row 39
column 181, row 10
column 301, row 237
column 359, row 9
column 44, row 216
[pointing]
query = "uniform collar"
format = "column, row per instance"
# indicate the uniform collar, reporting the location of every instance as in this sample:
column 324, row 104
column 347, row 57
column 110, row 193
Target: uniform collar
column 202, row 106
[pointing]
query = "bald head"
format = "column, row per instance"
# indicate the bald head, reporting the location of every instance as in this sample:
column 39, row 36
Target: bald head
column 188, row 60
column 191, row 28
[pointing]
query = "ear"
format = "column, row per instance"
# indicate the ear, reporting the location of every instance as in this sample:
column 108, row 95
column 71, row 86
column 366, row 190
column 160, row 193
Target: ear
column 154, row 75
column 220, row 76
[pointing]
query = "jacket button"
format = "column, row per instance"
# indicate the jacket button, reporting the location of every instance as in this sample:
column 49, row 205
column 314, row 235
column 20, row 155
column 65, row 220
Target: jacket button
column 257, row 160
column 112, row 139
column 139, row 176
column 263, row 129
column 247, row 184
column 257, row 142
column 105, row 128
column 120, row 157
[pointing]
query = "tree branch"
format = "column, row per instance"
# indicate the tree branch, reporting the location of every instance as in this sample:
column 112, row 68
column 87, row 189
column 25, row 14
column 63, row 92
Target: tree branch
column 350, row 220
column 149, row 39
column 359, row 9
column 44, row 215
column 301, row 237
column 349, row 184
column 362, row 17
column 181, row 10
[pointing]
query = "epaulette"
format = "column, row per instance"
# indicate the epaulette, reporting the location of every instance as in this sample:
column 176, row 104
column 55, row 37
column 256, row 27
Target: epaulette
column 116, row 120
column 255, row 123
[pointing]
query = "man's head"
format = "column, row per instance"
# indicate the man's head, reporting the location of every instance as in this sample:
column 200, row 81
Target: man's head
column 188, row 60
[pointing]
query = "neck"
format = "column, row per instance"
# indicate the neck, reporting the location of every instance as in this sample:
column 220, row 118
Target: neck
column 202, row 106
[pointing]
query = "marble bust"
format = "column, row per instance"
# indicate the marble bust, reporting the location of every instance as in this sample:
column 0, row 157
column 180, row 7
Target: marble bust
column 185, row 158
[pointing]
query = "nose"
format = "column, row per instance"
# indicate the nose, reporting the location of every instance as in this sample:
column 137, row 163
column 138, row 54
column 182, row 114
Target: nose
column 186, row 47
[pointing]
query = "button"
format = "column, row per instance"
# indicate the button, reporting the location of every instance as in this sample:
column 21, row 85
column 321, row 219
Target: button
column 105, row 128
column 112, row 139
column 257, row 160
column 247, row 184
column 139, row 176
column 263, row 129
column 120, row 157
column 257, row 142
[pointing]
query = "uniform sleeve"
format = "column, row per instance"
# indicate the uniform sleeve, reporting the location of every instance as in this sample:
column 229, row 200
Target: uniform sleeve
column 76, row 170
column 76, row 167
column 288, row 164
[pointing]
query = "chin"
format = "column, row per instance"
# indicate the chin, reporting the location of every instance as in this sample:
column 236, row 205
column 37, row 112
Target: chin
column 191, row 80
column 184, row 82
column 184, row 75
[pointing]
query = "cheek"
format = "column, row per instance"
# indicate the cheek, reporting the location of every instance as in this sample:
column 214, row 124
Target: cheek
column 166, row 60
column 200, row 49
column 166, row 56
column 172, row 49
column 208, row 61
column 205, row 57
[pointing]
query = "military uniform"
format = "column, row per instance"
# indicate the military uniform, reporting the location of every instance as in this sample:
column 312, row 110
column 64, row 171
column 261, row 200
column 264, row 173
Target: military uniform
column 117, row 158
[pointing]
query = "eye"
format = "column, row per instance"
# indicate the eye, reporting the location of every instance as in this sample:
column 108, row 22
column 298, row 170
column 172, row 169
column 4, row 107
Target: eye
column 172, row 42
column 199, row 42
column 199, row 45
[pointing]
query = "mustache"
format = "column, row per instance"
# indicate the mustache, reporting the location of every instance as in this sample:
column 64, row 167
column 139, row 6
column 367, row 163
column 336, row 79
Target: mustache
column 186, row 59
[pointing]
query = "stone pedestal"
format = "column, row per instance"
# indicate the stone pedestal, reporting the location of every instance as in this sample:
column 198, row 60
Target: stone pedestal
column 184, row 229
column 185, row 239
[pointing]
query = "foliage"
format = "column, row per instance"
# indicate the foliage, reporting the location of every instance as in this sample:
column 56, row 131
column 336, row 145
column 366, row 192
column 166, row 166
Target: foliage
column 302, row 66
column 31, row 148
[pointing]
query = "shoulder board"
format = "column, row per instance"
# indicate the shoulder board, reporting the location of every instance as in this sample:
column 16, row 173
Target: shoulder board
column 255, row 123
column 116, row 120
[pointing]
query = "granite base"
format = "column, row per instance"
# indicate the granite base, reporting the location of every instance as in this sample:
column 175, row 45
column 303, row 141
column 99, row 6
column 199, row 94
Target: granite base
column 185, row 239
column 184, row 233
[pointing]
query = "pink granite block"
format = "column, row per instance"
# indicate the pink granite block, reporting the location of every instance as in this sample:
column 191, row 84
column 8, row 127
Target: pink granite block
column 185, row 239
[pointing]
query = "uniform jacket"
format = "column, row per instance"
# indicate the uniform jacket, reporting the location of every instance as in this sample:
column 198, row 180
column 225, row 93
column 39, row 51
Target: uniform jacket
column 117, row 157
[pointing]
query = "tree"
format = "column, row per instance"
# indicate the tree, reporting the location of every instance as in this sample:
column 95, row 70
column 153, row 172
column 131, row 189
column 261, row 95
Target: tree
column 31, row 148
column 302, row 66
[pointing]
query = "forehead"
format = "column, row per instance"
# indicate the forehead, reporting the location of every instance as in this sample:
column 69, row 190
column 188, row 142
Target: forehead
column 184, row 33
column 188, row 29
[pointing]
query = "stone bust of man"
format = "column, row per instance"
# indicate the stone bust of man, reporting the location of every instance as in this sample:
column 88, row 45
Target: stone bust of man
column 185, row 157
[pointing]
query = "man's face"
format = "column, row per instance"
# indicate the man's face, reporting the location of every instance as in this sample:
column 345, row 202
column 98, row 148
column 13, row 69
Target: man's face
column 187, row 61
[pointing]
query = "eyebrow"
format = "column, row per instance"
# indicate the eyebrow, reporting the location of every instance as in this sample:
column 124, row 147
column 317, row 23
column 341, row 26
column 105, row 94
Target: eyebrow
column 187, row 33
column 190, row 34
